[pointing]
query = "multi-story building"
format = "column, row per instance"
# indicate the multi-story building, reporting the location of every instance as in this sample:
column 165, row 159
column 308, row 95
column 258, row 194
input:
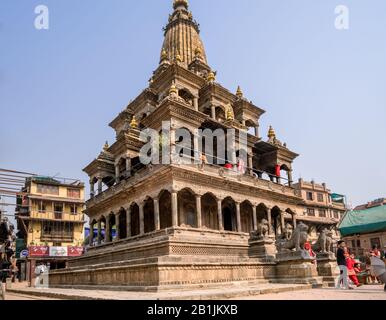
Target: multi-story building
column 322, row 208
column 50, row 219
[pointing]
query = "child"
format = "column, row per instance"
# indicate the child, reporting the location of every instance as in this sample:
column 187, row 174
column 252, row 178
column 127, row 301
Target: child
column 351, row 270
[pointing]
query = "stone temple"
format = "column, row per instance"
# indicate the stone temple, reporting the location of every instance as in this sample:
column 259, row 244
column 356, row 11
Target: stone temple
column 186, row 225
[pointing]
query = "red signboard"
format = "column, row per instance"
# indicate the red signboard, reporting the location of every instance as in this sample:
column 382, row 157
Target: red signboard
column 39, row 251
column 75, row 251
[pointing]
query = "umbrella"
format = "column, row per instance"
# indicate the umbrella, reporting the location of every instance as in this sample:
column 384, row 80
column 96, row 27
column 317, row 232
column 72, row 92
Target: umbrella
column 379, row 268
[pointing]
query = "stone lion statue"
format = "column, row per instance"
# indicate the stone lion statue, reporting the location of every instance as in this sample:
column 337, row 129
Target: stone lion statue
column 262, row 229
column 325, row 242
column 297, row 241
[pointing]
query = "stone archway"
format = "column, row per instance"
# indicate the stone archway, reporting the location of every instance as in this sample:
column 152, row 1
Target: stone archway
column 134, row 214
column 246, row 215
column 122, row 217
column 209, row 213
column 229, row 213
column 187, row 209
column 277, row 227
column 148, row 213
column 165, row 209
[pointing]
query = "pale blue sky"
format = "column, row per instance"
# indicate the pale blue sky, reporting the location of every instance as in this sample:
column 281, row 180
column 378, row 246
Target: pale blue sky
column 323, row 89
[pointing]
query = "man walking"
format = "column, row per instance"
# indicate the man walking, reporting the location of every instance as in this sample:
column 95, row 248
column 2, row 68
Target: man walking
column 342, row 264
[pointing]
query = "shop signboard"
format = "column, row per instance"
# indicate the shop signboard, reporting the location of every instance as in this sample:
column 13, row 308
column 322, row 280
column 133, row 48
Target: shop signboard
column 75, row 251
column 39, row 251
column 58, row 251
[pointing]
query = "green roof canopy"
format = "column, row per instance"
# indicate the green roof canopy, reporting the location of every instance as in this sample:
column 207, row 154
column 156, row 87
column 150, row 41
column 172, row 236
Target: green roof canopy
column 364, row 221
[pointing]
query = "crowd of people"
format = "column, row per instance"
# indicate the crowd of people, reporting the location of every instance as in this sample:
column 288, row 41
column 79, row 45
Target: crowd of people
column 351, row 269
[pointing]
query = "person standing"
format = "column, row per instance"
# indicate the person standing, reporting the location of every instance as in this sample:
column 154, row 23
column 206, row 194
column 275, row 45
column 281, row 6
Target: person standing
column 342, row 264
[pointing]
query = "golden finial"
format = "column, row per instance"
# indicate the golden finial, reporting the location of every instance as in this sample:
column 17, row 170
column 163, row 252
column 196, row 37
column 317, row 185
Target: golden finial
column 133, row 123
column 179, row 3
column 106, row 146
column 271, row 133
column 229, row 113
column 197, row 52
column 211, row 77
column 164, row 55
column 173, row 89
column 239, row 93
column 178, row 58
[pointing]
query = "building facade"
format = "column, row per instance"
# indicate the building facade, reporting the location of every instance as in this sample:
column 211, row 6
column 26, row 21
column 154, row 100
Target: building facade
column 185, row 223
column 322, row 208
column 365, row 228
column 50, row 220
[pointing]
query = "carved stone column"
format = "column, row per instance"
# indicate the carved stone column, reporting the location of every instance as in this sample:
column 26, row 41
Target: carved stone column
column 195, row 103
column 107, row 231
column 117, row 227
column 254, row 217
column 117, row 173
column 196, row 148
column 172, row 145
column 282, row 221
column 198, row 212
column 92, row 189
column 269, row 218
column 141, row 219
column 91, row 237
column 128, row 217
column 219, row 214
column 99, row 185
column 128, row 167
column 290, row 178
column 257, row 128
column 99, row 239
column 213, row 109
column 294, row 220
column 156, row 215
column 174, row 209
column 250, row 164
column 238, row 216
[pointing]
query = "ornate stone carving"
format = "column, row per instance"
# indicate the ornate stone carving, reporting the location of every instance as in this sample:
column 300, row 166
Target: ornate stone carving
column 297, row 240
column 325, row 242
column 262, row 229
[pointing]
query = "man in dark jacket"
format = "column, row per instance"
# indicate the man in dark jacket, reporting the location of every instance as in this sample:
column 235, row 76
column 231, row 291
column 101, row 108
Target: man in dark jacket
column 342, row 264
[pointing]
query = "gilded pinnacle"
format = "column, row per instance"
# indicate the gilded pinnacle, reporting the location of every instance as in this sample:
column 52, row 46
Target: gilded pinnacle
column 239, row 92
column 133, row 123
column 271, row 133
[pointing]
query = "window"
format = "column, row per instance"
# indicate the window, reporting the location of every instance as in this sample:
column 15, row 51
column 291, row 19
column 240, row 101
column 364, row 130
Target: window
column 310, row 196
column 311, row 212
column 375, row 242
column 58, row 207
column 47, row 189
column 336, row 214
column 322, row 213
column 42, row 207
column 74, row 209
column 73, row 193
column 320, row 197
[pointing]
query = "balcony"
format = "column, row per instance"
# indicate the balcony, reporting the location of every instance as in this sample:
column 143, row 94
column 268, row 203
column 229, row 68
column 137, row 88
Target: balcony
column 258, row 179
column 56, row 216
column 57, row 237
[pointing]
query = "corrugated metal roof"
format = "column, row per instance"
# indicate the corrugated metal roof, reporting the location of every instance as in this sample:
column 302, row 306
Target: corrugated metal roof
column 364, row 221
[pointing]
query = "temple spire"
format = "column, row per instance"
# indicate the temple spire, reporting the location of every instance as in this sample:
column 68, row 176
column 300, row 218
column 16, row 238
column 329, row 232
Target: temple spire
column 182, row 36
